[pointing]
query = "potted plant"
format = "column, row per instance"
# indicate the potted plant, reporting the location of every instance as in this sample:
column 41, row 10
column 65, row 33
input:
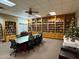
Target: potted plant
column 73, row 31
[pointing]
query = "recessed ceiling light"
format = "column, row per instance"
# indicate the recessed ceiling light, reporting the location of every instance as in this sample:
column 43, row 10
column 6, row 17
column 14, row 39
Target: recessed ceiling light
column 37, row 15
column 52, row 13
column 8, row 3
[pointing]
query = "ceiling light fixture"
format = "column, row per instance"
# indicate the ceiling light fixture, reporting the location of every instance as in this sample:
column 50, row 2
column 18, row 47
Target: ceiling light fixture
column 52, row 13
column 8, row 3
column 37, row 15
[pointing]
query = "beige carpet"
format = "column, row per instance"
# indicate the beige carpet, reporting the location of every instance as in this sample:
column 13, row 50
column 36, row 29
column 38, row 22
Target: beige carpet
column 48, row 50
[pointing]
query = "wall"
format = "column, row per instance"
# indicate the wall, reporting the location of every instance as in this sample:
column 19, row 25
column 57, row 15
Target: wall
column 18, row 20
column 2, row 21
column 3, row 18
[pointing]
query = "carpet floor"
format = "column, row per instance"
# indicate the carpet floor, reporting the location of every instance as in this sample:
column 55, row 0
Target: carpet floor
column 48, row 50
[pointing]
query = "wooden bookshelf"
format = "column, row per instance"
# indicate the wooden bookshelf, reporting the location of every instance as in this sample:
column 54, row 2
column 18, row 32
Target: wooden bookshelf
column 1, row 32
column 52, row 26
column 39, row 24
column 44, row 27
column 30, row 24
column 68, row 19
column 10, row 30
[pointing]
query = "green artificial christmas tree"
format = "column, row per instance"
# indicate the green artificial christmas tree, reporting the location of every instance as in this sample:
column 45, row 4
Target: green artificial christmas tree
column 73, row 31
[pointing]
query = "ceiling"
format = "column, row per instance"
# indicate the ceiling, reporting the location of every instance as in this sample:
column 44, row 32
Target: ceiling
column 43, row 6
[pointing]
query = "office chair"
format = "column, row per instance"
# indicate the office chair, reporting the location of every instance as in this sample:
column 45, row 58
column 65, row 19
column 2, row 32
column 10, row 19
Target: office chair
column 23, row 33
column 38, row 39
column 14, row 47
column 30, row 43
column 23, row 47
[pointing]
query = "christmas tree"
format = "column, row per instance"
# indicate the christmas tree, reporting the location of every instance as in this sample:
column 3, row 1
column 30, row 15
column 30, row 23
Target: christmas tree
column 73, row 31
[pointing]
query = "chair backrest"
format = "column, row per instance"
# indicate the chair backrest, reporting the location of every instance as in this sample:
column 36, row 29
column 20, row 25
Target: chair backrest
column 23, row 33
column 13, row 44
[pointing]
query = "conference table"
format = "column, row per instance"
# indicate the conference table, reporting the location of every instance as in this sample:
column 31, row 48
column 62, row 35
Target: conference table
column 26, row 43
column 23, row 39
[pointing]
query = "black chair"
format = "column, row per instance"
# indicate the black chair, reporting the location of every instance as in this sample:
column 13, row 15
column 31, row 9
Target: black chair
column 23, row 33
column 38, row 39
column 14, row 47
column 34, row 41
column 18, row 47
column 31, row 43
column 23, row 47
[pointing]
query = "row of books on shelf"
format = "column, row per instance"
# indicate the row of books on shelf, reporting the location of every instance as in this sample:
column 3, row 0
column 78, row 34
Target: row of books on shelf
column 8, row 33
column 10, row 28
column 47, row 22
column 49, row 27
column 51, row 31
column 1, row 31
column 10, row 23
column 45, row 29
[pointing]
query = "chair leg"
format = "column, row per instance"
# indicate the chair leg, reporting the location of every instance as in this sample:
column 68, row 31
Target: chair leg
column 14, row 53
column 10, row 54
